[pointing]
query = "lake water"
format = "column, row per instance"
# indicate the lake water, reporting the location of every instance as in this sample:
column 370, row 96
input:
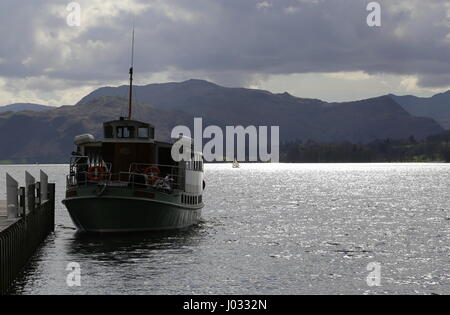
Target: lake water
column 269, row 229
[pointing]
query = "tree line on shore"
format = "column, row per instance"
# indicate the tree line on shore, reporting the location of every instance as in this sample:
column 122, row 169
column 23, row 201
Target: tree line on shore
column 435, row 148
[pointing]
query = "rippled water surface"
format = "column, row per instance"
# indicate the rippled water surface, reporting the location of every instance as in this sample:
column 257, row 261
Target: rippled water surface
column 269, row 229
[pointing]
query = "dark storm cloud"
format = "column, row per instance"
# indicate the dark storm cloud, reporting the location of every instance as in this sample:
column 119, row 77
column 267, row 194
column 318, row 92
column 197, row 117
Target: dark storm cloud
column 227, row 39
column 434, row 80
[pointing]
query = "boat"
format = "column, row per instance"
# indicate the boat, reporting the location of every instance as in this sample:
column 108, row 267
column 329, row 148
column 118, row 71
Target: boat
column 130, row 182
column 236, row 164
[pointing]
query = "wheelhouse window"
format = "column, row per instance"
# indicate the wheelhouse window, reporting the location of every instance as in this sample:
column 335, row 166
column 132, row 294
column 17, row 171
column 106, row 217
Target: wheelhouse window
column 143, row 133
column 109, row 132
column 125, row 132
column 152, row 133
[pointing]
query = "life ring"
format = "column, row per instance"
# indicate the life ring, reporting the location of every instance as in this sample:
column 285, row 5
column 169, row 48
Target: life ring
column 96, row 173
column 153, row 173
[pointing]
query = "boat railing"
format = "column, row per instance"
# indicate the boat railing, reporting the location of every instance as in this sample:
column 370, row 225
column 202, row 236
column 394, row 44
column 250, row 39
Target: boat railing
column 168, row 178
column 194, row 165
column 167, row 169
column 83, row 163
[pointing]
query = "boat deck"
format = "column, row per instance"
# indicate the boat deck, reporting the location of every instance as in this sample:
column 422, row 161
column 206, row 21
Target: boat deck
column 4, row 222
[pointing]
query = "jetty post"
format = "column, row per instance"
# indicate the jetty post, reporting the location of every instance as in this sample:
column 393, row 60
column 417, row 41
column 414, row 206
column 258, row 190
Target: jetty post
column 27, row 217
column 12, row 197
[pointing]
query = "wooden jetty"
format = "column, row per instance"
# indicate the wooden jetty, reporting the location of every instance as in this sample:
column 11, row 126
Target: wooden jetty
column 27, row 217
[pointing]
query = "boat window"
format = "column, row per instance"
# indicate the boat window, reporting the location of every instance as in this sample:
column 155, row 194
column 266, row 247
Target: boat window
column 152, row 133
column 143, row 133
column 109, row 132
column 125, row 132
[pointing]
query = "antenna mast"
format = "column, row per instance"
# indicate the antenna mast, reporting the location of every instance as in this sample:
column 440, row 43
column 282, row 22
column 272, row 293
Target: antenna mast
column 130, row 99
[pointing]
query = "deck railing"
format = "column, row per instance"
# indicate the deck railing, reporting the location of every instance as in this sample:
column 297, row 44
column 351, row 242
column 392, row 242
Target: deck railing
column 169, row 177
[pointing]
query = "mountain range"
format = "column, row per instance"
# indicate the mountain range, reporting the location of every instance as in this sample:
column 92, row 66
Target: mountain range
column 436, row 107
column 19, row 107
column 47, row 136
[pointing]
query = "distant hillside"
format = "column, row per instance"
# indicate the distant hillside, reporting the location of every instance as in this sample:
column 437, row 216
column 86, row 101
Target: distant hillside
column 299, row 118
column 18, row 107
column 48, row 136
column 436, row 107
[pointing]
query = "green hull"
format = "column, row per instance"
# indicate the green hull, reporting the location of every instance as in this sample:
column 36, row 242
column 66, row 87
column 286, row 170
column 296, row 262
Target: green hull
column 118, row 211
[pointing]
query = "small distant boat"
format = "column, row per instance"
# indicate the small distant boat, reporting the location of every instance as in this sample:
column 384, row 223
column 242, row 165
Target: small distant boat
column 236, row 164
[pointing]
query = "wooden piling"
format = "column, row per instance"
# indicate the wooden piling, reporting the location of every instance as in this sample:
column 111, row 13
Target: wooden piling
column 20, row 237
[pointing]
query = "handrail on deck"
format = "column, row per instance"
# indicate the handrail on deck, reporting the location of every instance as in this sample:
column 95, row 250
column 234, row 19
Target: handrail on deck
column 75, row 163
column 167, row 180
column 142, row 166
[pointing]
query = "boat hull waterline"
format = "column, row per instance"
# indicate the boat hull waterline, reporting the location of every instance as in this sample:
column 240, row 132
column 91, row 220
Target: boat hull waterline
column 117, row 214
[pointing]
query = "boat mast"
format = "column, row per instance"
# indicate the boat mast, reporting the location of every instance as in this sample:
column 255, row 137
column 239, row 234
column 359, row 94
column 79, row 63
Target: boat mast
column 130, row 97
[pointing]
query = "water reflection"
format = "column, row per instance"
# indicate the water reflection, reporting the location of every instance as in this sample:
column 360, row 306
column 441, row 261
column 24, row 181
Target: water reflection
column 113, row 246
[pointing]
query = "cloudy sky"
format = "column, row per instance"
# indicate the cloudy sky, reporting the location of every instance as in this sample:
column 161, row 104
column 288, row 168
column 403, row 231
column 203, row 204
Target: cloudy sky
column 310, row 48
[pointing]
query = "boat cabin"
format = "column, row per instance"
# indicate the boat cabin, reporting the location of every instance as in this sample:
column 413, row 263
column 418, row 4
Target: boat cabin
column 126, row 143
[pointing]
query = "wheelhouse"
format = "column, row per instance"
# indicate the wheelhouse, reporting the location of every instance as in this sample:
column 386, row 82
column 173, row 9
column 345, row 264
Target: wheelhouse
column 126, row 142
